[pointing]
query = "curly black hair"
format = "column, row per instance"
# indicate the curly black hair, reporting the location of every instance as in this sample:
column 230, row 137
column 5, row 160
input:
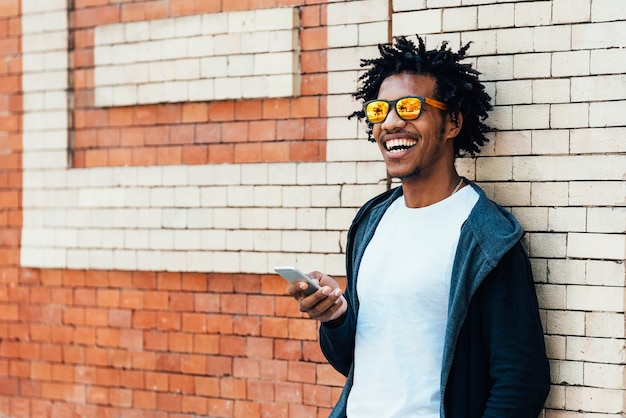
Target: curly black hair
column 457, row 85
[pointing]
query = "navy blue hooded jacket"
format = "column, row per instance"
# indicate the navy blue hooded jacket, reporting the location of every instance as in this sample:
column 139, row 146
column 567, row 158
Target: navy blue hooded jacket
column 494, row 360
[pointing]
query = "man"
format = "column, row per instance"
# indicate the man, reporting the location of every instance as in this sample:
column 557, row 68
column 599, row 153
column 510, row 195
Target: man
column 440, row 316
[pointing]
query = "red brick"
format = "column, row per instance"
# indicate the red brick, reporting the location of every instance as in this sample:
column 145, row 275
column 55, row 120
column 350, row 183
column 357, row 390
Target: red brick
column 288, row 349
column 180, row 342
column 120, row 318
column 195, row 112
column 288, row 392
column 180, row 383
column 314, row 38
column 193, row 364
column 169, row 362
column 144, row 399
column 221, row 153
column 221, row 111
column 244, row 409
column 193, row 322
column 219, row 366
column 247, row 325
column 273, row 369
column 155, row 341
column 326, row 375
column 232, row 388
column 274, row 327
column 275, row 152
column 206, row 344
column 194, row 405
column 247, row 153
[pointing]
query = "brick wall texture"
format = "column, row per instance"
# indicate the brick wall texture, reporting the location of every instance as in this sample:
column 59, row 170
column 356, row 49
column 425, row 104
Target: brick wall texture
column 159, row 157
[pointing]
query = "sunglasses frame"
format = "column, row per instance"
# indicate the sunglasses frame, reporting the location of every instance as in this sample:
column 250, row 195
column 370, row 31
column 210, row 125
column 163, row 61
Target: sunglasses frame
column 393, row 104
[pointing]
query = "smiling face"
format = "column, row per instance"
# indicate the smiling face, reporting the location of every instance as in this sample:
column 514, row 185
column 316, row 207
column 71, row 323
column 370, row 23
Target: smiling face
column 419, row 148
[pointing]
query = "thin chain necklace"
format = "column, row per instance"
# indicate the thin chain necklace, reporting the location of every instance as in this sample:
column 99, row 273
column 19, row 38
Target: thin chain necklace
column 458, row 186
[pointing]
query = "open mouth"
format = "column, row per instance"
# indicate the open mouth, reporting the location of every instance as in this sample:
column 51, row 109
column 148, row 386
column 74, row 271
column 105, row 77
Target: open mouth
column 398, row 145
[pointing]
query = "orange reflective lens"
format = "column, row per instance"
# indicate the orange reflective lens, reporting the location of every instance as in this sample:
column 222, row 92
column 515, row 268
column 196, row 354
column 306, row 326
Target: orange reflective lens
column 407, row 108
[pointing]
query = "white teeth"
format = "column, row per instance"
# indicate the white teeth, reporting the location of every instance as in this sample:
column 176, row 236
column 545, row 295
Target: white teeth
column 396, row 145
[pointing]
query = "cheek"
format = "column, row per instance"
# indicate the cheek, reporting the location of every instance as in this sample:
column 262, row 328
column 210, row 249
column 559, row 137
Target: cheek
column 376, row 131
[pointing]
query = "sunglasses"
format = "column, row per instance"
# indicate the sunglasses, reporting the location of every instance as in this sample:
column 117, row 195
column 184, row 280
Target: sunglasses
column 407, row 108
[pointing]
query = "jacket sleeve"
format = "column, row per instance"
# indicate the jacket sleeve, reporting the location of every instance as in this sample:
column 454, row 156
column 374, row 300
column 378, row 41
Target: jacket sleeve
column 337, row 343
column 518, row 365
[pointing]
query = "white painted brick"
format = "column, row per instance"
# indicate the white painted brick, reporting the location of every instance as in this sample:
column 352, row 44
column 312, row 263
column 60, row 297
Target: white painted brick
column 161, row 239
column 213, row 196
column 604, row 10
column 296, row 241
column 501, row 117
column 274, row 63
column 567, row 219
column 344, row 82
column 497, row 67
column 496, row 16
column 340, row 104
column 607, row 219
column 555, row 347
column 567, row 271
column 296, row 196
column 424, row 21
column 604, row 324
column 550, row 142
column 199, row 218
column 124, row 260
column 373, row 33
column 548, row 245
column 601, row 350
column 371, row 172
column 551, row 297
column 535, row 13
column 267, row 196
column 570, row 372
column 551, row 91
column 351, row 150
column 339, row 218
column 566, row 323
column 531, row 219
column 603, row 114
column 484, row 42
column 240, row 195
column 311, row 173
column 531, row 117
column 608, row 61
column 498, row 168
column 599, row 88
column 569, row 115
column 214, row 239
column 227, row 88
column 226, row 261
column 254, row 173
column 187, row 26
column 281, row 40
column 266, row 241
column 343, row 59
column 252, row 262
column 593, row 399
column 404, row 5
column 532, row 65
column 174, row 218
column 460, row 19
column 281, row 218
column 226, row 218
column 254, row 218
column 341, row 173
column 598, row 246
column 513, row 92
column 311, row 218
column 512, row 194
column 595, row 298
column 570, row 11
column 356, row 196
column 325, row 241
column 240, row 240
column 514, row 41
column 598, row 35
column 604, row 375
column 325, row 196
column 585, row 167
column 343, row 35
column 357, row 12
column 602, row 193
column 276, row 19
column 281, row 174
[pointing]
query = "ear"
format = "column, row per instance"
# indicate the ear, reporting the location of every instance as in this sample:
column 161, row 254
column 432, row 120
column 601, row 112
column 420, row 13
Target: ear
column 454, row 123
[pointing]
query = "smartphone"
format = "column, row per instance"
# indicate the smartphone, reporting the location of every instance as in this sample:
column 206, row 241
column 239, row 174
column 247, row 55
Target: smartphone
column 293, row 275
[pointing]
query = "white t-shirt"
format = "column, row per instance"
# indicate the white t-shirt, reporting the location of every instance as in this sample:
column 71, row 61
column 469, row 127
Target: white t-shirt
column 403, row 286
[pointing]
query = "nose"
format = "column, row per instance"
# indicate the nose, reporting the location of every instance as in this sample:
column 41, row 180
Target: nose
column 392, row 121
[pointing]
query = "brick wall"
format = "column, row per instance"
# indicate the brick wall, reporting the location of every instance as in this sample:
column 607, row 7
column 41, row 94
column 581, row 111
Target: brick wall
column 155, row 165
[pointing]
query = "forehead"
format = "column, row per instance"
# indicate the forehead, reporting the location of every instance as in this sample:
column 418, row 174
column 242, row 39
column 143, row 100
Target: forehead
column 407, row 84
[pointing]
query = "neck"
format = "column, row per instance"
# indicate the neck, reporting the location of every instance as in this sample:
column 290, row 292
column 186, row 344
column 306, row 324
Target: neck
column 422, row 191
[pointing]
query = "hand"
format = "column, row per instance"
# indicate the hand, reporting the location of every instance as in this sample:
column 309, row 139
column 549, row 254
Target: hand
column 327, row 304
